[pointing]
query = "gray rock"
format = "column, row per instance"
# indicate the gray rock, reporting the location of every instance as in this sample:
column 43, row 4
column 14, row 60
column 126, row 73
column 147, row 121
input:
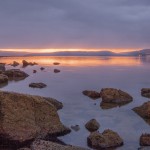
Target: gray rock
column 91, row 94
column 37, row 85
column 75, row 128
column 92, row 125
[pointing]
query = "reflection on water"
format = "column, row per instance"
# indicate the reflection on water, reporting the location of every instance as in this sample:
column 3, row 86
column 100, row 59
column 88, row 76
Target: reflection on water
column 80, row 61
column 90, row 73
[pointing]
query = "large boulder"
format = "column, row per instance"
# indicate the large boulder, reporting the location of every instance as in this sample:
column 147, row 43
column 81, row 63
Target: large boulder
column 144, row 111
column 25, row 117
column 145, row 92
column 15, row 73
column 47, row 145
column 91, row 94
column 108, row 139
column 3, row 79
column 111, row 95
column 145, row 140
column 92, row 125
column 2, row 67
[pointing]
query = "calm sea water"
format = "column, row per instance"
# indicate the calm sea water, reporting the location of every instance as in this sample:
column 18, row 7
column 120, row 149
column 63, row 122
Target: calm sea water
column 90, row 73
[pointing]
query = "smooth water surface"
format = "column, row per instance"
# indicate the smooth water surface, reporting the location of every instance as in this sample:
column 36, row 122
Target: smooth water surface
column 90, row 73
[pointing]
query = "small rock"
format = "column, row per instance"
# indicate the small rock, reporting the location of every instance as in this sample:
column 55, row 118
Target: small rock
column 34, row 71
column 75, row 128
column 108, row 139
column 144, row 111
column 111, row 95
column 37, row 85
column 56, row 63
column 15, row 64
column 145, row 92
column 25, row 63
column 91, row 94
column 92, row 125
column 3, row 79
column 56, row 70
column 145, row 140
column 42, row 68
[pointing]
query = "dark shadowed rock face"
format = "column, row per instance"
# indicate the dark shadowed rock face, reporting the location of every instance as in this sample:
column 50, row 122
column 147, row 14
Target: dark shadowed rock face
column 25, row 117
column 92, row 125
column 47, row 145
column 2, row 67
column 91, row 94
column 3, row 79
column 144, row 111
column 56, row 70
column 37, row 85
column 15, row 73
column 108, row 139
column 145, row 140
column 145, row 92
column 111, row 95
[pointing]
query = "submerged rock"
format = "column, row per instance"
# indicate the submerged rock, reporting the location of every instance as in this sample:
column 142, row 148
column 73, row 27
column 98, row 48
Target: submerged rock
column 42, row 68
column 144, row 111
column 145, row 92
column 145, row 140
column 91, row 94
column 56, row 63
column 56, row 70
column 75, row 128
column 111, row 95
column 108, row 139
column 92, row 125
column 15, row 64
column 25, row 117
column 15, row 73
column 34, row 71
column 37, row 85
column 47, row 145
column 2, row 67
column 3, row 79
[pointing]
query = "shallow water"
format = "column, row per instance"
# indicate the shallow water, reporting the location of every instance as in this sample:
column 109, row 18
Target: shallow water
column 90, row 73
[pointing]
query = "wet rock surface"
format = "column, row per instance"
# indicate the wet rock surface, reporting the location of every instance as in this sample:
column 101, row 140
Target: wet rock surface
column 91, row 94
column 108, row 139
column 56, row 70
column 145, row 92
column 92, row 125
column 144, row 111
column 111, row 95
column 145, row 140
column 37, row 85
column 25, row 117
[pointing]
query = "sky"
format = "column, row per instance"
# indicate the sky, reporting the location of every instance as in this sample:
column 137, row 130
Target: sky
column 53, row 25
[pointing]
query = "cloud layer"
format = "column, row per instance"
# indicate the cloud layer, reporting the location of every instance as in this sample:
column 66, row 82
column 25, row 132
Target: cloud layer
column 75, row 24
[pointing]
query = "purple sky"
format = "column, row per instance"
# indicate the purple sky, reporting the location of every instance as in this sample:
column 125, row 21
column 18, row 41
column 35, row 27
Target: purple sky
column 74, row 24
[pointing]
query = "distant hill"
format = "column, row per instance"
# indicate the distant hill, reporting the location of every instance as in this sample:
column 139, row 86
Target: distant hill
column 79, row 53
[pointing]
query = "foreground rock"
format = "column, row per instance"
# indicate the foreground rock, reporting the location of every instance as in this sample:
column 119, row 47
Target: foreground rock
column 145, row 140
column 2, row 67
column 108, row 139
column 144, row 111
column 56, row 70
column 92, row 125
column 15, row 64
column 145, row 92
column 56, row 63
column 3, row 79
column 47, row 145
column 15, row 73
column 91, row 94
column 111, row 95
column 37, row 85
column 25, row 63
column 24, row 118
